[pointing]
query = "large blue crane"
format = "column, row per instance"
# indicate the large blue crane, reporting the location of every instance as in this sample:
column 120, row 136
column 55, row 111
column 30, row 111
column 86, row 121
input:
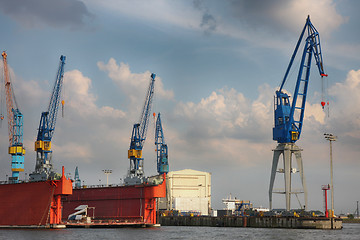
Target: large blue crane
column 15, row 126
column 138, row 136
column 44, row 167
column 289, row 117
column 161, row 148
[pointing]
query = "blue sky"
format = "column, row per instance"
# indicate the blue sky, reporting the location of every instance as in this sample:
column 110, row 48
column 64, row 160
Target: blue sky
column 218, row 64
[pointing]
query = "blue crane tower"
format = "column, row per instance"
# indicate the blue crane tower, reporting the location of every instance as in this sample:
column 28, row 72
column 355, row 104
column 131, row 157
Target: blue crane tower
column 161, row 148
column 44, row 168
column 289, row 117
column 138, row 137
column 77, row 178
column 15, row 126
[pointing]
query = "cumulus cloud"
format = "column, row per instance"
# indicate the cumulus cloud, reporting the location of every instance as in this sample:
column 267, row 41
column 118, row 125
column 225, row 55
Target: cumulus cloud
column 73, row 150
column 227, row 112
column 133, row 84
column 80, row 98
column 344, row 106
column 38, row 13
column 314, row 112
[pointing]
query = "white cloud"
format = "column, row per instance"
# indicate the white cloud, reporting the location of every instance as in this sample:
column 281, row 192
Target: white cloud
column 81, row 100
column 133, row 84
column 314, row 112
column 229, row 112
column 322, row 13
column 344, row 105
column 224, row 128
column 238, row 19
column 74, row 150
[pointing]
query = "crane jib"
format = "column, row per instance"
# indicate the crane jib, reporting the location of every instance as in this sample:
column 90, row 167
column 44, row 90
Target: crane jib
column 289, row 117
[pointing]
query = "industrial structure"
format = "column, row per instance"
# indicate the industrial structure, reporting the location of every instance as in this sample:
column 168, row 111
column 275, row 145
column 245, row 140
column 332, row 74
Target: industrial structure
column 134, row 203
column 325, row 188
column 331, row 138
column 236, row 206
column 138, row 137
column 44, row 168
column 161, row 148
column 15, row 126
column 188, row 191
column 36, row 203
column 77, row 178
column 289, row 117
column 131, row 204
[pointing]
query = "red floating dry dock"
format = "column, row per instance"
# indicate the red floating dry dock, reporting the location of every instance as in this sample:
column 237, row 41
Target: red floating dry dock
column 119, row 205
column 33, row 204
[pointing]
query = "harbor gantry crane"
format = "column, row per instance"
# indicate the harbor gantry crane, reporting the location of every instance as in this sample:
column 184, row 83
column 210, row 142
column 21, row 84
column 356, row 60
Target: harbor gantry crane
column 44, row 168
column 161, row 148
column 15, row 126
column 77, row 178
column 289, row 117
column 138, row 137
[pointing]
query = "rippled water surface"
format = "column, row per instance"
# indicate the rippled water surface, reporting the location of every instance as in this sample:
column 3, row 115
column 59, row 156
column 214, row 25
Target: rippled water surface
column 350, row 231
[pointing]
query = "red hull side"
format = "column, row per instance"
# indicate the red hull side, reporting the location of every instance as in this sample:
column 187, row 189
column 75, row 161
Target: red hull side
column 25, row 203
column 32, row 203
column 123, row 203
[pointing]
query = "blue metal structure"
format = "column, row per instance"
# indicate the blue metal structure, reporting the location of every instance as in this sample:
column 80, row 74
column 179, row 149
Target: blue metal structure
column 289, row 118
column 161, row 148
column 239, row 211
column 77, row 178
column 138, row 135
column 44, row 168
column 15, row 126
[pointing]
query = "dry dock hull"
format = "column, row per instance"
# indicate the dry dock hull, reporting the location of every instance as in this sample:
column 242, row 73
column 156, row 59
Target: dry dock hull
column 120, row 204
column 32, row 204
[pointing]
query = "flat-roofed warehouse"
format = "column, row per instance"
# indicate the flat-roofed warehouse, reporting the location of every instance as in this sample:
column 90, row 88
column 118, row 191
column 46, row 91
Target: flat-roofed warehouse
column 188, row 191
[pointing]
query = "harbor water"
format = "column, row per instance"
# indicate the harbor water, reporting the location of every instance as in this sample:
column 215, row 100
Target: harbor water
column 349, row 231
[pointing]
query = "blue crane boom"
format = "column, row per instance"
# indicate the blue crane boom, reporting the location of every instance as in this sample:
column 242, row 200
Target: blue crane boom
column 161, row 148
column 289, row 118
column 44, row 168
column 15, row 126
column 138, row 137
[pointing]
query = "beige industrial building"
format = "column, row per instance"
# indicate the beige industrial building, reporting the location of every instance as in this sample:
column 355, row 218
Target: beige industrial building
column 188, row 191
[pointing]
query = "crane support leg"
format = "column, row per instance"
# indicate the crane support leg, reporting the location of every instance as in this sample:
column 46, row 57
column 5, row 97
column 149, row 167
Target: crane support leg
column 273, row 172
column 302, row 176
column 287, row 177
column 287, row 150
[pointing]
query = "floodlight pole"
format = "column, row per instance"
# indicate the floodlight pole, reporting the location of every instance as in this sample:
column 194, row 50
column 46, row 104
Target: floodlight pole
column 331, row 138
column 107, row 173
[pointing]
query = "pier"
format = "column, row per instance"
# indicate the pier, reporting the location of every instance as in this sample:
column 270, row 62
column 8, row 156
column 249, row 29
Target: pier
column 253, row 221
